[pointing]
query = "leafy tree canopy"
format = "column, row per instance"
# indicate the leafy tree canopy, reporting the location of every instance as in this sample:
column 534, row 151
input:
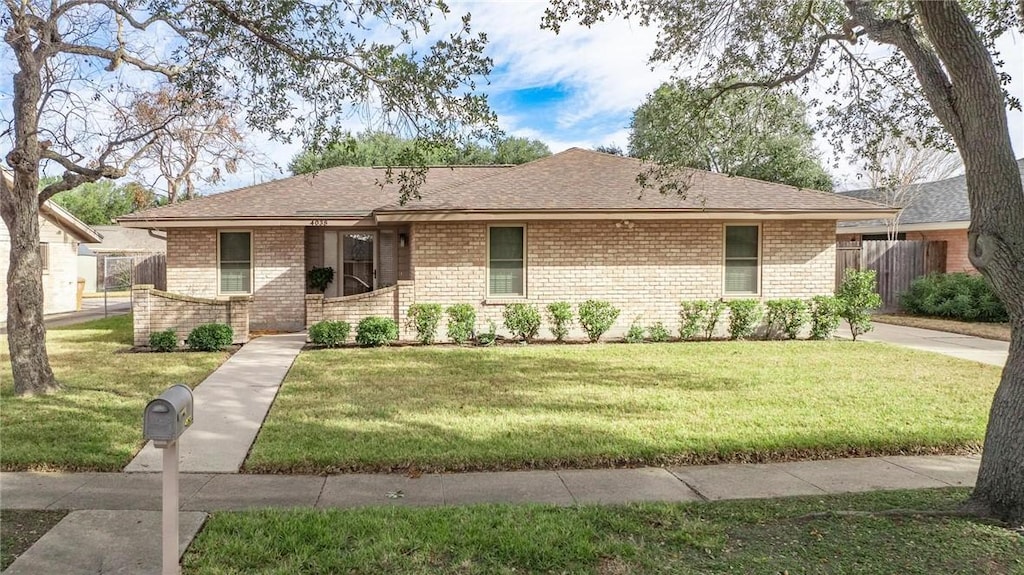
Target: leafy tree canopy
column 99, row 203
column 385, row 149
column 761, row 135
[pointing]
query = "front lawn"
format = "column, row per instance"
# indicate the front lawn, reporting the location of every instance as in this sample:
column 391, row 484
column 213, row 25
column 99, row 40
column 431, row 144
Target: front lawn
column 95, row 422
column 768, row 536
column 21, row 528
column 512, row 407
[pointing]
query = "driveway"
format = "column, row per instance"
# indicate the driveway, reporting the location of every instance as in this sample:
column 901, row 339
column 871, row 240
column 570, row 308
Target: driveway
column 967, row 347
column 92, row 308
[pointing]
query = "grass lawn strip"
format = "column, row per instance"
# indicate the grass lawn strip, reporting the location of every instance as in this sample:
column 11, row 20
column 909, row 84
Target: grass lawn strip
column 764, row 536
column 20, row 528
column 997, row 331
column 95, row 422
column 517, row 407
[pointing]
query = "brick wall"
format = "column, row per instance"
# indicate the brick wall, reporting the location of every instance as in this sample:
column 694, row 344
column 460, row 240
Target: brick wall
column 154, row 310
column 956, row 248
column 279, row 280
column 645, row 270
column 383, row 302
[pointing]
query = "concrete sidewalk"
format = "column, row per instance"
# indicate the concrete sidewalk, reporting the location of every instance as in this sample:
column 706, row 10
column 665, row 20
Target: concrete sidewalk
column 968, row 347
column 219, row 492
column 230, row 406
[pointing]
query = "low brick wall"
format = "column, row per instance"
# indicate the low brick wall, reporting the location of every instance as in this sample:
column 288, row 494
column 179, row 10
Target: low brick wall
column 155, row 310
column 392, row 302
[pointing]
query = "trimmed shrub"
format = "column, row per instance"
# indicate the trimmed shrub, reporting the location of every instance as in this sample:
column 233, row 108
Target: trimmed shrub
column 163, row 341
column 329, row 333
column 425, row 317
column 858, row 297
column 699, row 317
column 597, row 317
column 523, row 320
column 461, row 320
column 489, row 337
column 560, row 319
column 658, row 332
column 786, row 317
column 824, row 316
column 744, row 314
column 635, row 333
column 960, row 296
column 376, row 331
column 210, row 337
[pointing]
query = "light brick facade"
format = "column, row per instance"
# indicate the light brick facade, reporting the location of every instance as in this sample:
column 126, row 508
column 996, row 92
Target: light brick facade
column 158, row 311
column 60, row 280
column 644, row 269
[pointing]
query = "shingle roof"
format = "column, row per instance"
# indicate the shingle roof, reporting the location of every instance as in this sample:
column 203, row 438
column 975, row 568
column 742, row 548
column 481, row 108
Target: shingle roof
column 575, row 180
column 120, row 239
column 933, row 202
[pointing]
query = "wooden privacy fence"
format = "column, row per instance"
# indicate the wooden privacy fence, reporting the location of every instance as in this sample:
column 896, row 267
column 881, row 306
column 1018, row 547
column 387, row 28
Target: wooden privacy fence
column 119, row 273
column 897, row 263
column 152, row 270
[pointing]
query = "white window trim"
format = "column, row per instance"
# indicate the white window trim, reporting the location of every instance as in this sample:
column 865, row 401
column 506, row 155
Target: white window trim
column 487, row 258
column 760, row 258
column 252, row 262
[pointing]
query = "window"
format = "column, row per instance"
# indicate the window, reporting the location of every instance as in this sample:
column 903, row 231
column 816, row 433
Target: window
column 742, row 259
column 235, row 262
column 506, row 261
column 44, row 256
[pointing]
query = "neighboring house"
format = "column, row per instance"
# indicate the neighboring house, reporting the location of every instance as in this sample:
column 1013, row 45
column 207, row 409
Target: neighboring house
column 939, row 211
column 117, row 241
column 572, row 226
column 59, row 236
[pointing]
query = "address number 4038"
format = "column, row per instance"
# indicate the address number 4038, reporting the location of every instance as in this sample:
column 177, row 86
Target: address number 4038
column 318, row 222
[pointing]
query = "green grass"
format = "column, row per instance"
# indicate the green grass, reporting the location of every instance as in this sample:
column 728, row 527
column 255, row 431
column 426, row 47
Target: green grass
column 95, row 422
column 768, row 536
column 605, row 405
column 20, row 528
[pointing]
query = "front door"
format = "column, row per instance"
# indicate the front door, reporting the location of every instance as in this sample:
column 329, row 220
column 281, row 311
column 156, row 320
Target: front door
column 353, row 257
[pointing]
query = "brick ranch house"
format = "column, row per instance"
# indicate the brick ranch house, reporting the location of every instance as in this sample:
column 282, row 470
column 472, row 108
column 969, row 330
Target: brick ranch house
column 939, row 211
column 572, row 226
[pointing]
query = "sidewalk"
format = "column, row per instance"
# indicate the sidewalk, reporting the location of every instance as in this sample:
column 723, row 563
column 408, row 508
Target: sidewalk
column 230, row 406
column 966, row 347
column 220, row 492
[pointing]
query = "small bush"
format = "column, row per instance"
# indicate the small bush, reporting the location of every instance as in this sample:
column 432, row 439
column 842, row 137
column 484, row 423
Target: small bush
column 858, row 297
column 523, row 320
column 163, row 341
column 461, row 320
column 376, row 331
column 560, row 319
column 635, row 333
column 210, row 337
column 824, row 316
column 658, row 332
column 786, row 316
column 489, row 337
column 959, row 296
column 699, row 317
column 329, row 333
column 425, row 317
column 597, row 317
column 744, row 314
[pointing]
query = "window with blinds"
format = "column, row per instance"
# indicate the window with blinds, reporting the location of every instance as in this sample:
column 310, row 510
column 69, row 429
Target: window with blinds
column 742, row 259
column 234, row 260
column 506, row 263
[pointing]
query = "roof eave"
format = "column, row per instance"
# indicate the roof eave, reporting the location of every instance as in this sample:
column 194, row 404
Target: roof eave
column 397, row 216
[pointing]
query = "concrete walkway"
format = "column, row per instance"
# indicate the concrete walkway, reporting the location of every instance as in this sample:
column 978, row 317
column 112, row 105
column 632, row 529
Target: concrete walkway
column 230, row 406
column 114, row 524
column 968, row 347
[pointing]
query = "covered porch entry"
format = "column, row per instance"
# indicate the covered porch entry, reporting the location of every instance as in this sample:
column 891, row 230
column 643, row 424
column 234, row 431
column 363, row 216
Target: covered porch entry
column 363, row 259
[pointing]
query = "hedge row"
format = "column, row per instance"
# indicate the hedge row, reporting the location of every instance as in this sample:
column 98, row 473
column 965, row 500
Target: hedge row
column 959, row 296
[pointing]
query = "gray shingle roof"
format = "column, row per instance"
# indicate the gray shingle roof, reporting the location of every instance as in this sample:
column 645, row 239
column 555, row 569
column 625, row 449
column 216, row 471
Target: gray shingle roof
column 575, row 180
column 933, row 202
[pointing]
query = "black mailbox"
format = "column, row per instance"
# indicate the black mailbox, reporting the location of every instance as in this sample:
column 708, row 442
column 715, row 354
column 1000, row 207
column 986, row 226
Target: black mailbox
column 168, row 416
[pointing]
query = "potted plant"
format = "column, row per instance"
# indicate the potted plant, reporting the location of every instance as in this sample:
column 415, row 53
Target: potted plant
column 320, row 278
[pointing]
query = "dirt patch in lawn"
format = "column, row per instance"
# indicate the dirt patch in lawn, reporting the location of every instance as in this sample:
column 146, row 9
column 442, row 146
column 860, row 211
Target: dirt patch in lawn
column 997, row 331
column 20, row 528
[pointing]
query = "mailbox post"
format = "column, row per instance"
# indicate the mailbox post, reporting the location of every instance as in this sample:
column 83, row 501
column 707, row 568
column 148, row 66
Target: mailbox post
column 163, row 422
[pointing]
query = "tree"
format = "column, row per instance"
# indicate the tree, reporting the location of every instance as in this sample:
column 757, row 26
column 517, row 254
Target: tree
column 297, row 70
column 610, row 149
column 385, row 149
column 895, row 169
column 202, row 141
column 888, row 67
column 99, row 203
column 762, row 135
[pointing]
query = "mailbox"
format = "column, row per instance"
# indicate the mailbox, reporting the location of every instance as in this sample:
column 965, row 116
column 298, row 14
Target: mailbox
column 168, row 416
